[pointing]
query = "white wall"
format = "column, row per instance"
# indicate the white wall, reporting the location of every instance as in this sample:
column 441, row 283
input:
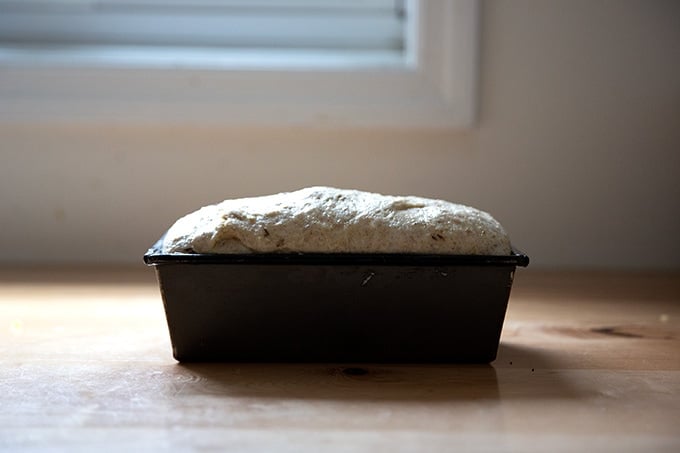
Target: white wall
column 576, row 152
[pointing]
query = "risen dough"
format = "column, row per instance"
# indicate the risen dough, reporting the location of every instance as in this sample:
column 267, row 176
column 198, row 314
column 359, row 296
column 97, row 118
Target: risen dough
column 329, row 220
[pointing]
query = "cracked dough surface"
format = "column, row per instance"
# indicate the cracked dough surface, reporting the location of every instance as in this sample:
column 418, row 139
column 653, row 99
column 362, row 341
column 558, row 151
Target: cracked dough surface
column 330, row 220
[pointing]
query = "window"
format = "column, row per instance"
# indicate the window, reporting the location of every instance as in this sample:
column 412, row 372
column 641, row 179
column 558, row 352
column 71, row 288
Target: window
column 213, row 33
column 326, row 62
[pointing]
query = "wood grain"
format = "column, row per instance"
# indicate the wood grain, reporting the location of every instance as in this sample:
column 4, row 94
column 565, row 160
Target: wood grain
column 588, row 361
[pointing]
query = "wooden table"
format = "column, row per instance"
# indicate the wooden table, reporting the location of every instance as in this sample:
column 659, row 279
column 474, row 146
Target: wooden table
column 588, row 362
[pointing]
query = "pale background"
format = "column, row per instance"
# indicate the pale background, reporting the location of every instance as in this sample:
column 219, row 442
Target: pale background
column 576, row 151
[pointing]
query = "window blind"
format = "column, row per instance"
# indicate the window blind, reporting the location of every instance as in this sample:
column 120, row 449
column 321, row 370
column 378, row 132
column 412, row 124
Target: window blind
column 236, row 24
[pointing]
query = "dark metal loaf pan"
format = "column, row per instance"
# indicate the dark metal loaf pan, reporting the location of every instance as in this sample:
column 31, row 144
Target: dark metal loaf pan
column 334, row 307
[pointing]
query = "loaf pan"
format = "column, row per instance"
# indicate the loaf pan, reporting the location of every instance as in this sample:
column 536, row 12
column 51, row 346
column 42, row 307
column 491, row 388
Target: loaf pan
column 334, row 307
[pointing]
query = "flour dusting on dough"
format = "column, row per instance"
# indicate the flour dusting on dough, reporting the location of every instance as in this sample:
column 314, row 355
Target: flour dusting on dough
column 329, row 220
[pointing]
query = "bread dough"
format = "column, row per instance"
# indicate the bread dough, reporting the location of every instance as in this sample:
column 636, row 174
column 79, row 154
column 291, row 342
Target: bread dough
column 329, row 220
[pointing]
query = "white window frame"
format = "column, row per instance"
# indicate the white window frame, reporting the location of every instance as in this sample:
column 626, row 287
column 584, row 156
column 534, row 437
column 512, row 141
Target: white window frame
column 435, row 88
